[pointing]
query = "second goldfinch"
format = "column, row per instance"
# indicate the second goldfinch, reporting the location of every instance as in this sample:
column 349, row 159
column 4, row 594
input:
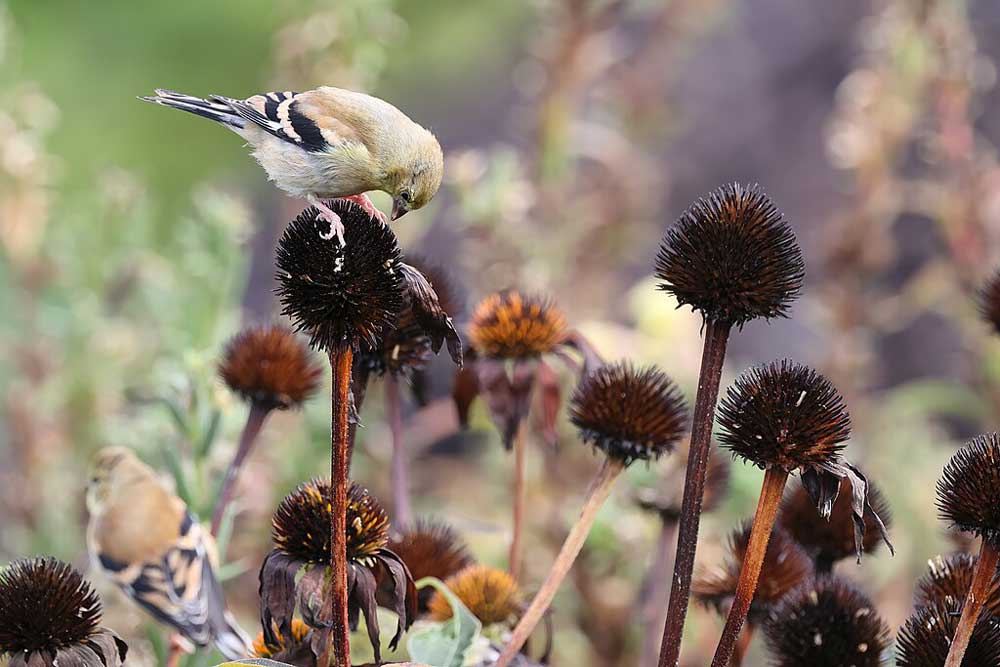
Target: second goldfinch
column 328, row 143
column 144, row 538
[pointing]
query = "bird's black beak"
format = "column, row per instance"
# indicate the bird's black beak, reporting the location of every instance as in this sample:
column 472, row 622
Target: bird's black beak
column 399, row 208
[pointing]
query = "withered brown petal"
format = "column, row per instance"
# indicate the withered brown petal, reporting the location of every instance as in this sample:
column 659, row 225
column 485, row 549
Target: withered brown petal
column 277, row 595
column 310, row 597
column 404, row 594
column 550, row 393
column 464, row 391
column 364, row 597
column 591, row 358
column 507, row 396
column 110, row 646
column 436, row 323
column 823, row 486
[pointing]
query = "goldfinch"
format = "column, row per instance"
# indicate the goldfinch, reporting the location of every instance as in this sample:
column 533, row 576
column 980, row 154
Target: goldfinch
column 144, row 538
column 328, row 143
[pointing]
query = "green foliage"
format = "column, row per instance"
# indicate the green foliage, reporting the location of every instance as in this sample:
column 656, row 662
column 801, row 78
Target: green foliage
column 444, row 644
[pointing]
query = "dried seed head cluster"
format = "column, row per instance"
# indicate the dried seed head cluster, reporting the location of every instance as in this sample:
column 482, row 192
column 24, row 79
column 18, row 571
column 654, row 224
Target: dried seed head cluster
column 301, row 524
column 49, row 613
column 786, row 566
column 667, row 496
column 831, row 540
column 340, row 294
column 431, row 549
column 733, row 257
column 972, row 475
column 511, row 325
column 947, row 582
column 269, row 365
column 784, row 415
column 491, row 595
column 989, row 302
column 629, row 413
column 826, row 624
column 925, row 638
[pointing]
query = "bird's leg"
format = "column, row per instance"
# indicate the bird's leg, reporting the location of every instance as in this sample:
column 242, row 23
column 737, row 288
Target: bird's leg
column 328, row 214
column 366, row 204
column 178, row 647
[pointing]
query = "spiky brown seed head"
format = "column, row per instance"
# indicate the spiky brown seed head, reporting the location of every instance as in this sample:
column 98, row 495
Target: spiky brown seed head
column 301, row 524
column 262, row 649
column 786, row 566
column 490, row 594
column 989, row 302
column 826, row 623
column 925, row 638
column 271, row 366
column 629, row 413
column 831, row 540
column 340, row 294
column 431, row 549
column 971, row 476
column 948, row 580
column 512, row 325
column 784, row 415
column 45, row 605
column 732, row 257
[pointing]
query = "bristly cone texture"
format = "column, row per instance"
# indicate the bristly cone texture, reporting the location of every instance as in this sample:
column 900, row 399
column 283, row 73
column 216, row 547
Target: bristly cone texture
column 511, row 325
column 628, row 413
column 827, row 623
column 784, row 415
column 786, row 566
column 270, row 366
column 947, row 584
column 732, row 257
column 431, row 549
column 49, row 614
column 340, row 294
column 989, row 302
column 491, row 595
column 968, row 488
column 925, row 638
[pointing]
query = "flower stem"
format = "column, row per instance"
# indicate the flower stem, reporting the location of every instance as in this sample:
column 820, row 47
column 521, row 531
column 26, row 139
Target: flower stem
column 255, row 421
column 713, row 354
column 657, row 588
column 517, row 528
column 599, row 491
column 403, row 509
column 742, row 645
column 986, row 568
column 753, row 560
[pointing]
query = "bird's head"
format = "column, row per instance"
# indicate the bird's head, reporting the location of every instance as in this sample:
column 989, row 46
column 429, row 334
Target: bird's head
column 418, row 182
column 111, row 466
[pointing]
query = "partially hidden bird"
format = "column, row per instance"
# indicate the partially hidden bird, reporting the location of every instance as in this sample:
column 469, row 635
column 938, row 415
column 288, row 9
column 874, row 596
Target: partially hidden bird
column 329, row 143
column 146, row 540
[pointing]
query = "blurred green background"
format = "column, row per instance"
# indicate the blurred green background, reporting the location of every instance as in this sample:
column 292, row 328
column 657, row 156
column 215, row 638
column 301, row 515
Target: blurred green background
column 134, row 241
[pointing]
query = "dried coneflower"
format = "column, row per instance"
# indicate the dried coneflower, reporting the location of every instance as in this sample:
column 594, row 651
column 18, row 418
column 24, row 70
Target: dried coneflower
column 833, row 539
column 628, row 414
column 947, row 584
column 430, row 549
column 50, row 615
column 733, row 258
column 966, row 496
column 783, row 418
column 827, row 623
column 295, row 649
column 989, row 302
column 491, row 595
column 269, row 368
column 344, row 296
column 293, row 574
column 926, row 637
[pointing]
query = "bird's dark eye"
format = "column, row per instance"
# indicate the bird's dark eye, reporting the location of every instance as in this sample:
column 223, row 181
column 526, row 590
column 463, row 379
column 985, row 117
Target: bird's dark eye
column 405, row 196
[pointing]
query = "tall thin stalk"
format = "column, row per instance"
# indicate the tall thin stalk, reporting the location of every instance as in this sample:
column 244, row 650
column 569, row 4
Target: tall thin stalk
column 989, row 557
column 255, row 421
column 517, row 524
column 657, row 590
column 402, row 505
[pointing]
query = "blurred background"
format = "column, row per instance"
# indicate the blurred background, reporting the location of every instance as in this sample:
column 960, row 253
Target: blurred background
column 134, row 241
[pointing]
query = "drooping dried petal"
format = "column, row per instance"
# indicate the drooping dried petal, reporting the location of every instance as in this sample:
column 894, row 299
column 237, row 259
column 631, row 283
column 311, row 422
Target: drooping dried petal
column 429, row 314
column 508, row 396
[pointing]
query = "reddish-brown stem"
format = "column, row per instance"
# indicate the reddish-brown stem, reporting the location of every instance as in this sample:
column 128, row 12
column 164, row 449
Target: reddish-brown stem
column 713, row 354
column 341, row 359
column 517, row 527
column 657, row 588
column 986, row 568
column 753, row 560
column 255, row 421
column 599, row 491
column 400, row 468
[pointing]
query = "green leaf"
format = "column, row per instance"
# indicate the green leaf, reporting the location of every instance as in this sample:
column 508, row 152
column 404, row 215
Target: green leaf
column 173, row 462
column 444, row 644
column 208, row 439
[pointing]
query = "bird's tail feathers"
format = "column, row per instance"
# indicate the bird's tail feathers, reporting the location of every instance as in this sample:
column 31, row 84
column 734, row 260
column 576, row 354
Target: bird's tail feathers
column 231, row 640
column 220, row 112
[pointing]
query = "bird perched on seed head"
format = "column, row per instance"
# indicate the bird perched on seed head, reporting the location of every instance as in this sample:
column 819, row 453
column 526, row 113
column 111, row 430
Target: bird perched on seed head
column 144, row 538
column 328, row 143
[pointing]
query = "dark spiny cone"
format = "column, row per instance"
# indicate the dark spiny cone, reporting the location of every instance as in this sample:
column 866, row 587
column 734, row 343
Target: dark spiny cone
column 269, row 365
column 784, row 415
column 989, row 302
column 490, row 594
column 665, row 498
column 50, row 615
column 831, row 540
column 511, row 325
column 431, row 549
column 925, row 638
column 947, row 584
column 827, row 623
column 629, row 413
column 972, row 475
column 733, row 257
column 340, row 294
column 786, row 566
